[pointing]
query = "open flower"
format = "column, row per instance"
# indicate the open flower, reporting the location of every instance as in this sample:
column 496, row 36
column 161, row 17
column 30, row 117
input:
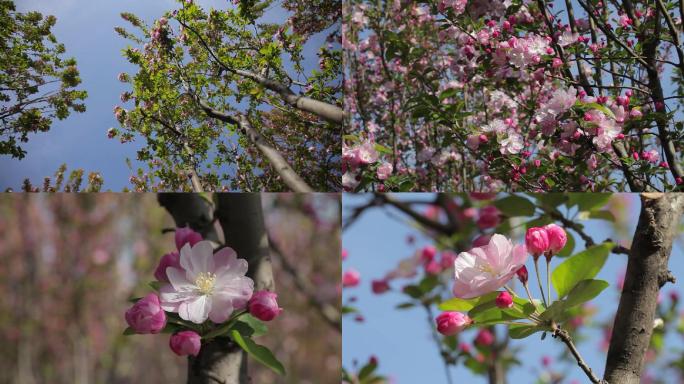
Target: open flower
column 207, row 285
column 486, row 269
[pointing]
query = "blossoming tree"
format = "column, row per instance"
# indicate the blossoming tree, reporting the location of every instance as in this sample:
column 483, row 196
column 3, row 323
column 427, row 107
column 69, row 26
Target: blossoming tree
column 223, row 101
column 479, row 276
column 516, row 95
column 37, row 84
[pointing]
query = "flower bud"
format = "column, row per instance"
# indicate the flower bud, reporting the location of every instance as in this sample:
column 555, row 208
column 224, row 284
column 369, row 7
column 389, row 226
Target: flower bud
column 504, row 300
column 380, row 286
column 171, row 259
column 186, row 235
column 451, row 323
column 537, row 241
column 522, row 274
column 484, row 338
column 428, row 253
column 263, row 305
column 557, row 237
column 185, row 343
column 146, row 315
column 351, row 278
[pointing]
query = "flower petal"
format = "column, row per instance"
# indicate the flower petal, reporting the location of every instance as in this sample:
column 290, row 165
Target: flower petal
column 195, row 310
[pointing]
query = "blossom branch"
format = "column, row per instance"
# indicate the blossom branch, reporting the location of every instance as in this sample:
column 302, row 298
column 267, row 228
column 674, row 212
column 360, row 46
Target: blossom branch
column 564, row 336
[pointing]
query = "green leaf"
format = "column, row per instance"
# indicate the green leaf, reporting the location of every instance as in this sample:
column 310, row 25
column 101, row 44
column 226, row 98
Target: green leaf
column 258, row 327
column 383, row 149
column 406, row 305
column 129, row 331
column 520, row 331
column 514, row 205
column 551, row 200
column 584, row 291
column 588, row 201
column 602, row 215
column 601, row 108
column 367, row 370
column 582, row 266
column 259, row 352
column 156, row 285
column 465, row 305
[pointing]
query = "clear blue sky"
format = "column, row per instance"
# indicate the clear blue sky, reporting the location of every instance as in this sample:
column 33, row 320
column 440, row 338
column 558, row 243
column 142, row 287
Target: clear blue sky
column 86, row 27
column 401, row 339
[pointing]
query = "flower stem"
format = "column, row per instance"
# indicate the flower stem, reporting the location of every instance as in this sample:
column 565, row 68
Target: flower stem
column 548, row 279
column 541, row 288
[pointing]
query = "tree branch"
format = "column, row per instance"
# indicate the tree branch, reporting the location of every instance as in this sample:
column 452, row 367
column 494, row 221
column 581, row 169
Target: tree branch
column 564, row 336
column 278, row 162
column 646, row 272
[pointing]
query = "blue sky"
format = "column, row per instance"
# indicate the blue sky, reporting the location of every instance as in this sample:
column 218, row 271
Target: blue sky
column 401, row 339
column 86, row 27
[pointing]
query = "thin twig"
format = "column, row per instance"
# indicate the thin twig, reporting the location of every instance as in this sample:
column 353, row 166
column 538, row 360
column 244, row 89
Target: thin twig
column 564, row 336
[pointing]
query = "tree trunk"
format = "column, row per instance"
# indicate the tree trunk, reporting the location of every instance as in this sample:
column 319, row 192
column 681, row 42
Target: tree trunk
column 241, row 218
column 646, row 273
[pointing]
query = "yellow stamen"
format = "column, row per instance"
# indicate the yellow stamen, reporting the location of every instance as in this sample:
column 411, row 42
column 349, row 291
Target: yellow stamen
column 205, row 282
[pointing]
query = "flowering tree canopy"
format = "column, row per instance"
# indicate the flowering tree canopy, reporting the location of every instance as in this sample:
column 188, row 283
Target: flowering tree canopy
column 224, row 102
column 37, row 84
column 516, row 95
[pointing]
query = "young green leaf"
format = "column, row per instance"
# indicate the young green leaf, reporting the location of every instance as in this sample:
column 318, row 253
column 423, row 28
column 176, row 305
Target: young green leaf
column 259, row 352
column 582, row 266
column 514, row 205
column 464, row 305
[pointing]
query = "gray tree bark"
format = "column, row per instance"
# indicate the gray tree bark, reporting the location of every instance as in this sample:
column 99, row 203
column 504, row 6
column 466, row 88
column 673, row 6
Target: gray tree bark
column 647, row 272
column 241, row 219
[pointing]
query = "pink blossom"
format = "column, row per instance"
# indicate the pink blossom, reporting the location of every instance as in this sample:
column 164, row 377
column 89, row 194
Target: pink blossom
column 146, row 315
column 345, row 254
column 651, row 156
column 557, row 237
column 185, row 235
column 625, row 21
column 171, row 259
column 490, row 217
column 481, row 240
column 428, row 253
column 207, row 286
column 504, row 300
column 450, row 323
column 384, row 170
column 537, row 240
column 351, row 278
column 486, row 269
column 264, row 306
column 185, row 343
column 367, row 153
column 512, row 144
column 484, row 337
column 433, row 268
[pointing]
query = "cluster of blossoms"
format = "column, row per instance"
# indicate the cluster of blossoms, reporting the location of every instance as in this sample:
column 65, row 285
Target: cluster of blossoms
column 503, row 73
column 197, row 285
column 489, row 267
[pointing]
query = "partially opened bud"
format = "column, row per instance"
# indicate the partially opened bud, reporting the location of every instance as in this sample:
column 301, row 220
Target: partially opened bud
column 146, row 315
column 186, row 235
column 504, row 300
column 185, row 343
column 263, row 305
column 537, row 241
column 380, row 286
column 451, row 323
column 171, row 259
column 557, row 237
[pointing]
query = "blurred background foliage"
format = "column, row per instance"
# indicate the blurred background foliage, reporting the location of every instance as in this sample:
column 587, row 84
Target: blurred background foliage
column 69, row 263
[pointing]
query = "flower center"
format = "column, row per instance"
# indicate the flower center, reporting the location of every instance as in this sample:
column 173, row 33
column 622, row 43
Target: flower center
column 205, row 282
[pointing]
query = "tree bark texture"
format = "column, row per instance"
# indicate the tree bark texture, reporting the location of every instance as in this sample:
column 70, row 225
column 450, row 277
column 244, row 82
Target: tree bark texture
column 647, row 272
column 241, row 218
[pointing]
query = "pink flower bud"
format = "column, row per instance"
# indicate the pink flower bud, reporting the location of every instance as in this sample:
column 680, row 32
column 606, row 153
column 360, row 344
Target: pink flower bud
column 451, row 323
column 504, row 300
column 557, row 63
column 522, row 274
column 380, row 286
column 351, row 278
column 484, row 337
column 345, row 254
column 537, row 241
column 557, row 237
column 489, row 217
column 185, row 343
column 481, row 241
column 146, row 315
column 428, row 253
column 171, row 259
column 679, row 180
column 186, row 235
column 433, row 268
column 263, row 305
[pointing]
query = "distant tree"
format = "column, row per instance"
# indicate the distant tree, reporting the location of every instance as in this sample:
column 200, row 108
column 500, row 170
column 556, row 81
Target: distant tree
column 37, row 84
